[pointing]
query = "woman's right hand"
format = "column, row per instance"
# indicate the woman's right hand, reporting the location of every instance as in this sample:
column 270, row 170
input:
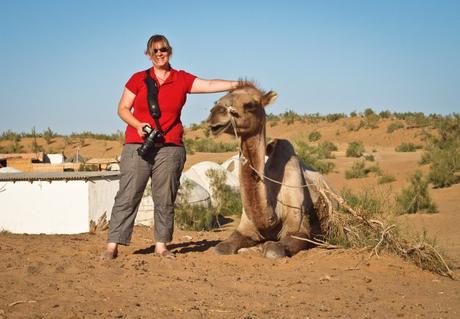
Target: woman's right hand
column 139, row 129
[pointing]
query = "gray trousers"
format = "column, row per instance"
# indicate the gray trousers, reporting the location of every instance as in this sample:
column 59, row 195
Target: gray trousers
column 164, row 166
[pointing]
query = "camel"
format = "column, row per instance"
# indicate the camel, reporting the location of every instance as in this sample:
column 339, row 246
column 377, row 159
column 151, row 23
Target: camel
column 276, row 205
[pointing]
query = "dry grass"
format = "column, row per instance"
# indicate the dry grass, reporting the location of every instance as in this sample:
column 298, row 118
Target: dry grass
column 356, row 225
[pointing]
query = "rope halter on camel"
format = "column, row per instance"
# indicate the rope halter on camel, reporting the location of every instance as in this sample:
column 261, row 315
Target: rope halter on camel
column 245, row 161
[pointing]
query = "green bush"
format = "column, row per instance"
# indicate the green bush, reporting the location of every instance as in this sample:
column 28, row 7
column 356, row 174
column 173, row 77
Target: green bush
column 355, row 149
column 350, row 127
column 97, row 136
column 358, row 170
column 195, row 217
column 334, row 117
column 385, row 114
column 395, row 126
column 368, row 201
column 406, row 147
column 384, row 179
column 376, row 169
column 442, row 151
column 444, row 165
column 325, row 149
column 368, row 112
column 314, row 136
column 289, row 117
column 369, row 158
column 227, row 201
column 415, row 196
column 417, row 120
column 314, row 156
column 10, row 136
column 272, row 117
column 371, row 120
column 313, row 118
column 191, row 217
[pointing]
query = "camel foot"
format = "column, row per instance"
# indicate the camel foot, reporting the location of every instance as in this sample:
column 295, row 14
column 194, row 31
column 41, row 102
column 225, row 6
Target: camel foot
column 233, row 243
column 224, row 248
column 292, row 245
column 274, row 250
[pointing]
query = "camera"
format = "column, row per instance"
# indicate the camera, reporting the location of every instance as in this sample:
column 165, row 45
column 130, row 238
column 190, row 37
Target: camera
column 152, row 138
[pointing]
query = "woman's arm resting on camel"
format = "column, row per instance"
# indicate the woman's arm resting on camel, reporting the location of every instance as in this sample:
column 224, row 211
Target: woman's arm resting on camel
column 212, row 86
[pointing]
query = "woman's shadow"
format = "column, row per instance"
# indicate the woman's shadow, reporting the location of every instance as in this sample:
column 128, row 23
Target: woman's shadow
column 193, row 246
column 183, row 248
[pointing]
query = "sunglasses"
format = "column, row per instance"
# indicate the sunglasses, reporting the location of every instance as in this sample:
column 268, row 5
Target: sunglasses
column 163, row 49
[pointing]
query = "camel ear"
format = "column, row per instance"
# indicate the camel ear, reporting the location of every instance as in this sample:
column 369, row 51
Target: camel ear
column 271, row 146
column 268, row 98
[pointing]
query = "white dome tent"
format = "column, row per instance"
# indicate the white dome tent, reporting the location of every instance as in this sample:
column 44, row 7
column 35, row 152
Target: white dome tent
column 197, row 173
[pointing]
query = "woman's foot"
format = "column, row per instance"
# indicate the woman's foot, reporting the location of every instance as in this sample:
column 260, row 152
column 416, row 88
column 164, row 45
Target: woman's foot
column 111, row 252
column 162, row 251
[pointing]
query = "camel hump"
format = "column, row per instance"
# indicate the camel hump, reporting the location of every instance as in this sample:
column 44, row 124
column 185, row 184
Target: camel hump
column 279, row 146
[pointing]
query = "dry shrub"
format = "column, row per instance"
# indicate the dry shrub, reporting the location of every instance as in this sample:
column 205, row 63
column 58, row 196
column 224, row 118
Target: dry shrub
column 101, row 225
column 366, row 220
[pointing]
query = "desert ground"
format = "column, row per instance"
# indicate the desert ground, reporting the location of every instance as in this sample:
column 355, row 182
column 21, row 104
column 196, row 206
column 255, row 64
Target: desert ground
column 61, row 276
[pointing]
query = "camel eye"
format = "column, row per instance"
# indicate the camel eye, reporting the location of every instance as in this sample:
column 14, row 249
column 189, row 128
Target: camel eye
column 250, row 107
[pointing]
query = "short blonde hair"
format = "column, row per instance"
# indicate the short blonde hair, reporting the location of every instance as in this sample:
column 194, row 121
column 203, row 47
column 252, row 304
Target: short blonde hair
column 155, row 39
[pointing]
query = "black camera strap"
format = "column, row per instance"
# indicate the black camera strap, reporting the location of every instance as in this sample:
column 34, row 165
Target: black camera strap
column 152, row 101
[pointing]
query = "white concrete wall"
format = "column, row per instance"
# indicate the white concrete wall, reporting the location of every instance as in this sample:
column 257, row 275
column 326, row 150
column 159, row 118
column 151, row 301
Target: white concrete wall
column 58, row 207
column 145, row 212
column 101, row 197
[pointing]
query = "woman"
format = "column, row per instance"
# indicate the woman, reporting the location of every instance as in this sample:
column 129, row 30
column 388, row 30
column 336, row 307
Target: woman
column 163, row 164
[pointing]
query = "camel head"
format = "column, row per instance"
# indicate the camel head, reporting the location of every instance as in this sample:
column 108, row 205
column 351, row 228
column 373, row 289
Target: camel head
column 246, row 105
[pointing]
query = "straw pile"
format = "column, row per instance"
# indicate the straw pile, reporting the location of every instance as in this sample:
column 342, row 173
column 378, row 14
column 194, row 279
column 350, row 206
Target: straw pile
column 345, row 226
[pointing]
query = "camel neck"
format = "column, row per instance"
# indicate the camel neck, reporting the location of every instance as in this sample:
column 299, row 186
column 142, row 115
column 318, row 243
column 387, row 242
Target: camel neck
column 254, row 151
column 253, row 190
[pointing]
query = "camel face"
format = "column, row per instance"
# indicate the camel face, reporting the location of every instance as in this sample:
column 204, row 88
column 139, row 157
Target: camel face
column 246, row 106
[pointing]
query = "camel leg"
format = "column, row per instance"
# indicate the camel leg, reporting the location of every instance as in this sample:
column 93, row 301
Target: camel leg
column 286, row 247
column 244, row 236
column 233, row 243
column 295, row 223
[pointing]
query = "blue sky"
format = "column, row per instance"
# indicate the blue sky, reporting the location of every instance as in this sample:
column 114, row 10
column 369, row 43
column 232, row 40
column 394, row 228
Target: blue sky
column 63, row 64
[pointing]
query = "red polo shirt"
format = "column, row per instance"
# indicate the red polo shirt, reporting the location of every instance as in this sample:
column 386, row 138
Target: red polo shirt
column 172, row 95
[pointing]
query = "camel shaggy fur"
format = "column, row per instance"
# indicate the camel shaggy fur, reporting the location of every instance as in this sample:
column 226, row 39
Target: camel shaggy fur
column 272, row 212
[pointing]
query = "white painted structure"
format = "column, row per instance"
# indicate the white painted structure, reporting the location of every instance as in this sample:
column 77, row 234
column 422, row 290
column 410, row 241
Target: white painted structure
column 54, row 158
column 55, row 203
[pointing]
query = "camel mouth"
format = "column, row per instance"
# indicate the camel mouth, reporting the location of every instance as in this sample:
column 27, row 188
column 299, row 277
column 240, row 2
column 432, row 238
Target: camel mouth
column 217, row 129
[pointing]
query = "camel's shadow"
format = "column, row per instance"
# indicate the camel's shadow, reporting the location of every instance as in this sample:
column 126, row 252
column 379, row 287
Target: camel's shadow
column 182, row 248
